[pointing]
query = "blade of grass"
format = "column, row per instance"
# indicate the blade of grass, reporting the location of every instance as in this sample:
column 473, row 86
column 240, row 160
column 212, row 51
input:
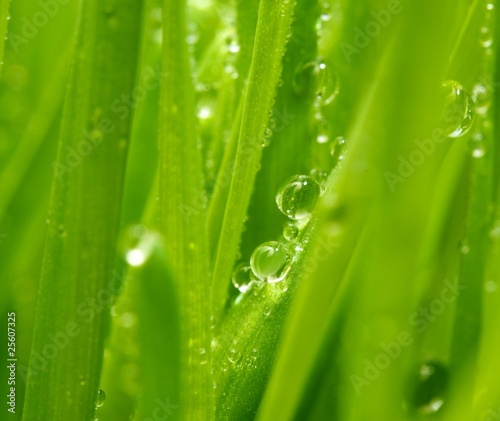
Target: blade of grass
column 182, row 214
column 373, row 139
column 83, row 222
column 272, row 28
column 4, row 20
column 159, row 331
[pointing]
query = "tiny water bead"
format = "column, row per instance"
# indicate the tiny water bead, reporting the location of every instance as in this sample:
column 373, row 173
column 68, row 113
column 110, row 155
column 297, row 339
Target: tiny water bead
column 137, row 244
column 316, row 78
column 482, row 97
column 290, row 232
column 477, row 145
column 337, row 147
column 234, row 355
column 432, row 383
column 298, row 197
column 271, row 262
column 242, row 277
column 101, row 397
column 459, row 112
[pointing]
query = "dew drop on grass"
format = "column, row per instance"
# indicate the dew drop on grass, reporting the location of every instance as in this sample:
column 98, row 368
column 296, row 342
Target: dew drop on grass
column 328, row 87
column 203, row 356
column 459, row 112
column 242, row 277
column 486, row 37
column 271, row 262
column 137, row 243
column 101, row 397
column 337, row 148
column 298, row 197
column 477, row 145
column 316, row 78
column 291, row 231
column 234, row 355
column 482, row 97
column 320, row 176
column 432, row 384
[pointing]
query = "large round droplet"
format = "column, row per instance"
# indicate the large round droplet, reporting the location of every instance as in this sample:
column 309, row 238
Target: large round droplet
column 242, row 277
column 298, row 197
column 271, row 262
column 432, row 383
column 459, row 111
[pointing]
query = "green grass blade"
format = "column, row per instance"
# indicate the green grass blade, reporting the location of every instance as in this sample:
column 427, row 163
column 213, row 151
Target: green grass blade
column 69, row 333
column 182, row 213
column 159, row 336
column 4, row 20
column 272, row 27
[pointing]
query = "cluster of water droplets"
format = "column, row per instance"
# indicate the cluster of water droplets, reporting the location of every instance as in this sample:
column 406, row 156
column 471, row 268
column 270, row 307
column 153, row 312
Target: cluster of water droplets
column 469, row 112
column 271, row 261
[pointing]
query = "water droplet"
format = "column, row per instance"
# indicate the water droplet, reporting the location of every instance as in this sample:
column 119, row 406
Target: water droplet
column 62, row 231
column 298, row 197
column 232, row 45
column 459, row 112
column 464, row 248
column 432, row 382
column 291, row 231
column 193, row 34
column 266, row 310
column 486, row 37
column 477, row 145
column 327, row 84
column 482, row 98
column 137, row 243
column 242, row 277
column 316, row 78
column 322, row 133
column 101, row 397
column 203, row 356
column 337, row 147
column 320, row 176
column 271, row 262
column 234, row 355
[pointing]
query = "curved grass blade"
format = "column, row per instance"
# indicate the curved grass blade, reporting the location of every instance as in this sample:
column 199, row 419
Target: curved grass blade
column 182, row 214
column 69, row 333
column 272, row 28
